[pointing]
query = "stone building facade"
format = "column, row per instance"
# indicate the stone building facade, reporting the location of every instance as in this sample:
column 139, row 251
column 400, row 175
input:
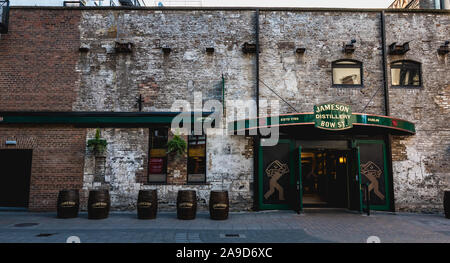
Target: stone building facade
column 64, row 61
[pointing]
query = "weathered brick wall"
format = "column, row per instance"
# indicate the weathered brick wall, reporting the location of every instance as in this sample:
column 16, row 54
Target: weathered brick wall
column 38, row 60
column 113, row 81
column 123, row 170
column 421, row 162
column 306, row 80
column 57, row 162
column 42, row 69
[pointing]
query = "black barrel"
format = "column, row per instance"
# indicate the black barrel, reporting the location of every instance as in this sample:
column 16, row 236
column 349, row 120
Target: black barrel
column 186, row 204
column 98, row 204
column 447, row 204
column 147, row 204
column 68, row 203
column 218, row 205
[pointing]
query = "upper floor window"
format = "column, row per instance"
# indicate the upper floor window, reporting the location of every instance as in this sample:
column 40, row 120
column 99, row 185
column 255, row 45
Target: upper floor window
column 157, row 163
column 347, row 72
column 406, row 73
column 196, row 165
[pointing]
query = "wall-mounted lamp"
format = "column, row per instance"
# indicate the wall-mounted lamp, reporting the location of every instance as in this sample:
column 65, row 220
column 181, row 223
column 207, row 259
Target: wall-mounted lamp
column 395, row 49
column 209, row 50
column 342, row 159
column 349, row 48
column 249, row 48
column 300, row 50
column 166, row 50
column 442, row 50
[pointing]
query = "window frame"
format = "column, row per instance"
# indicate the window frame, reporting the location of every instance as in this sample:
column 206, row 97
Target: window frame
column 400, row 67
column 359, row 65
column 187, row 161
column 149, row 156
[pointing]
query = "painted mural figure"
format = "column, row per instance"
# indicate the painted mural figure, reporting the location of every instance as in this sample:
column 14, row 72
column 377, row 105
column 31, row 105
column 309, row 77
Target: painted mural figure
column 372, row 172
column 275, row 170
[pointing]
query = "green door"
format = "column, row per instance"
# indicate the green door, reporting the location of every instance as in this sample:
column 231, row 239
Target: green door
column 277, row 182
column 374, row 173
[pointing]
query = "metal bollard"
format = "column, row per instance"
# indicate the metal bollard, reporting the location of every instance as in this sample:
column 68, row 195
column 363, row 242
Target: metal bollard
column 366, row 187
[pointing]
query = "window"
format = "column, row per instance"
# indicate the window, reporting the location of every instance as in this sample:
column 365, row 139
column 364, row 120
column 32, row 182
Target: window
column 196, row 159
column 406, row 73
column 157, row 161
column 347, row 72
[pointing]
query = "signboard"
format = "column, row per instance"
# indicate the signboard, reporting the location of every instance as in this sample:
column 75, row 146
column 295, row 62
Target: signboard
column 333, row 116
column 156, row 165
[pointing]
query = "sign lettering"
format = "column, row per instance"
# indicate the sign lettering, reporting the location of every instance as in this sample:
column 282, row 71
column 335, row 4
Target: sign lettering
column 333, row 116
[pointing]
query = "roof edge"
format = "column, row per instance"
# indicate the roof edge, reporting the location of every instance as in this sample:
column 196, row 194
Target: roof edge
column 290, row 9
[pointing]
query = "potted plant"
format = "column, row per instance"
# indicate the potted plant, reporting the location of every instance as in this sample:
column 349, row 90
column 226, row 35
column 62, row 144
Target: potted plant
column 97, row 145
column 177, row 145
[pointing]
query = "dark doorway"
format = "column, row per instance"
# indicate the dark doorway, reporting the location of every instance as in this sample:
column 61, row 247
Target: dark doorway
column 15, row 172
column 325, row 178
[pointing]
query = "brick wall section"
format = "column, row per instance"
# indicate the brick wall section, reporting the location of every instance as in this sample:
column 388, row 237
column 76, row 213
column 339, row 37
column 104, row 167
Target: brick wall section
column 306, row 80
column 57, row 162
column 420, row 162
column 38, row 60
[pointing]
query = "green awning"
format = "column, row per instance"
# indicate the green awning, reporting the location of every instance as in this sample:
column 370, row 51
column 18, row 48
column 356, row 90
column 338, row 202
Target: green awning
column 97, row 118
column 361, row 123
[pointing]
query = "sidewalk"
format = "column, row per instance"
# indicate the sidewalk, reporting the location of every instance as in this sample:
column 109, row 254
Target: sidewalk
column 274, row 226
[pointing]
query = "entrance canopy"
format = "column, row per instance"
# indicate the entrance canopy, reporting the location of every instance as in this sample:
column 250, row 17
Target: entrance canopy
column 362, row 123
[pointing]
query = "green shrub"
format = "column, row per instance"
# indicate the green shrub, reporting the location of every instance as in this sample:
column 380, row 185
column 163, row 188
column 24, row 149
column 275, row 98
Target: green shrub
column 97, row 145
column 177, row 145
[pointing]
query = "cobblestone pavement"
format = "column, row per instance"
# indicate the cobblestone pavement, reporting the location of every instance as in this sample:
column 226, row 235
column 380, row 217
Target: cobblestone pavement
column 261, row 227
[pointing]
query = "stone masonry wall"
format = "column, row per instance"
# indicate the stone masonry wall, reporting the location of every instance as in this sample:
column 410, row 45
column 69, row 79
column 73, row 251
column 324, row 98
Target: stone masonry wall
column 112, row 81
column 306, row 80
column 120, row 168
column 44, row 70
column 421, row 162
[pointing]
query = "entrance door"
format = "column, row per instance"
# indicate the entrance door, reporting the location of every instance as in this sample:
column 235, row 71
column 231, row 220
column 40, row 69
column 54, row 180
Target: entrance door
column 324, row 178
column 15, row 172
column 354, row 181
column 276, row 175
column 374, row 173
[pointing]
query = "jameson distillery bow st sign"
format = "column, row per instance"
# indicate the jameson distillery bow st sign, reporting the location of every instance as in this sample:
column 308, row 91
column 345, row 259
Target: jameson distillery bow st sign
column 333, row 116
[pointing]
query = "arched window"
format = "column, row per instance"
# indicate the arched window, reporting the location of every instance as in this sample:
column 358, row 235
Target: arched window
column 347, row 72
column 406, row 73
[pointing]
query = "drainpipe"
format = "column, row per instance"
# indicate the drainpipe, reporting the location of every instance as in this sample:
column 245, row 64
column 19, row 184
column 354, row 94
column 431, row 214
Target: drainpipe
column 383, row 50
column 388, row 137
column 256, row 139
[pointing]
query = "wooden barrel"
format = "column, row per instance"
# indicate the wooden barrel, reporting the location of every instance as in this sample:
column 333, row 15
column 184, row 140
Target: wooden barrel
column 147, row 204
column 98, row 204
column 219, row 205
column 186, row 204
column 447, row 204
column 68, row 203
